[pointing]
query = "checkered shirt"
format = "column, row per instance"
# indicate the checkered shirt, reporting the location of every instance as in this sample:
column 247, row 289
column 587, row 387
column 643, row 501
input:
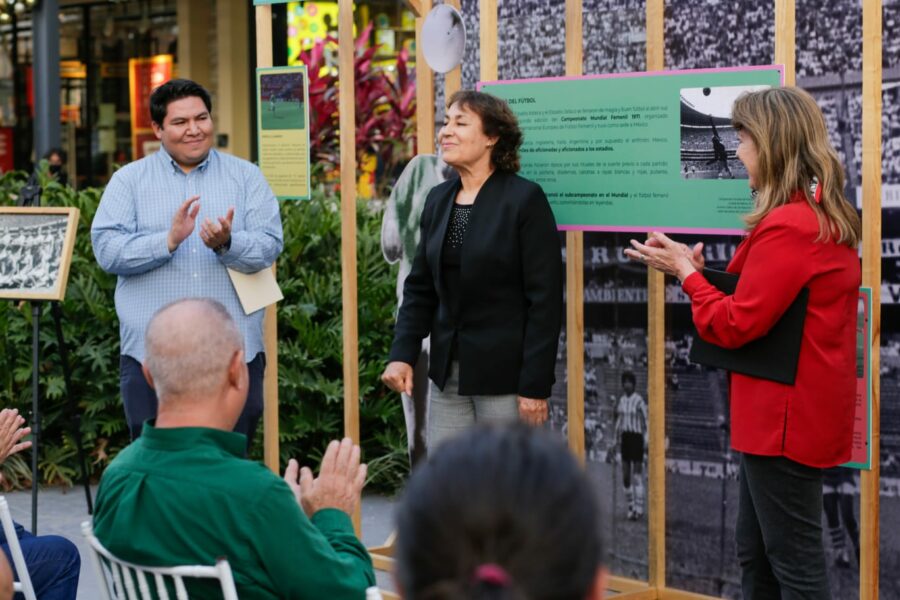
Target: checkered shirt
column 132, row 224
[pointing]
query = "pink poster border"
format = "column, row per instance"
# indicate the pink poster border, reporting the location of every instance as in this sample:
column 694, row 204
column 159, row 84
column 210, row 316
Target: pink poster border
column 637, row 229
column 779, row 68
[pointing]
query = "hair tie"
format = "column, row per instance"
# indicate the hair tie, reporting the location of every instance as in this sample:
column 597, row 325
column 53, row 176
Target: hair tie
column 492, row 574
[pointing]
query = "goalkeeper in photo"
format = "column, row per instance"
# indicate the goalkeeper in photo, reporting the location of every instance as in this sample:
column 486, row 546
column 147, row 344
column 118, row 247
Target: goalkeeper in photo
column 631, row 431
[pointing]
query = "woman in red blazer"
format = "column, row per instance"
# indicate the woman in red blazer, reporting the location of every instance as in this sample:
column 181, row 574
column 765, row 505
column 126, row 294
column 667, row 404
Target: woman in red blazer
column 802, row 233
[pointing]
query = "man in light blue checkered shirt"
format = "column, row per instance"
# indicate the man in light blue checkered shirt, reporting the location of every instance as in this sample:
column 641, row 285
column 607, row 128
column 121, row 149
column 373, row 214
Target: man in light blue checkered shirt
column 170, row 224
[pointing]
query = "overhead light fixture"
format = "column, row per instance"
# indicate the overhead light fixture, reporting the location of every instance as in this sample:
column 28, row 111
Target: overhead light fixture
column 15, row 7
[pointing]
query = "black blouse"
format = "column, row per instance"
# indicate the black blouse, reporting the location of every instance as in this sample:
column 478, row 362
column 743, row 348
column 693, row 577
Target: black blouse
column 451, row 256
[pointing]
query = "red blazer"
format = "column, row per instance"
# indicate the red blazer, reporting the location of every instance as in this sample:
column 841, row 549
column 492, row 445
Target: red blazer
column 810, row 422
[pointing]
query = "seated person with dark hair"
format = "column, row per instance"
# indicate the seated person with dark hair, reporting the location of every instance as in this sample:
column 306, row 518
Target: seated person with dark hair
column 53, row 561
column 183, row 494
column 500, row 512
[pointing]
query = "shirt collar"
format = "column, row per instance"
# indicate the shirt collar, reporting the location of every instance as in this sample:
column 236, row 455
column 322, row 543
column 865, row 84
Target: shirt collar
column 167, row 159
column 189, row 438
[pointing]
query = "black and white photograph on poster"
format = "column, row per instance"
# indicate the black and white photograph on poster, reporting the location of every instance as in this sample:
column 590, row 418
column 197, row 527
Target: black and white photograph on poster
column 35, row 251
column 708, row 141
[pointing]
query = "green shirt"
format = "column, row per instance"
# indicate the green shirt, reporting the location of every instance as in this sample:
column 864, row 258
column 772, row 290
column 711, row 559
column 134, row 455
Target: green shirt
column 186, row 496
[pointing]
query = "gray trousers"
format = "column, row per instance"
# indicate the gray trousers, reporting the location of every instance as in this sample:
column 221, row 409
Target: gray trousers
column 450, row 413
column 779, row 530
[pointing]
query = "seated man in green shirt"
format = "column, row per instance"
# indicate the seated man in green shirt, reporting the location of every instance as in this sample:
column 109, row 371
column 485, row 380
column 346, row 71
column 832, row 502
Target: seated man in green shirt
column 182, row 493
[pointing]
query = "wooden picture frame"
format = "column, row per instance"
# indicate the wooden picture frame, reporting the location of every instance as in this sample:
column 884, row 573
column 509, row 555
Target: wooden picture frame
column 36, row 245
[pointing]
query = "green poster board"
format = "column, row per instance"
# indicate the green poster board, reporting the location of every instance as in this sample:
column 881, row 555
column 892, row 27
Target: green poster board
column 282, row 126
column 638, row 151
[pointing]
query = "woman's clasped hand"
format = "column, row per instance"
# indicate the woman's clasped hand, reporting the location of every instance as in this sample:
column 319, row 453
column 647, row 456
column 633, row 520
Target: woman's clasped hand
column 664, row 254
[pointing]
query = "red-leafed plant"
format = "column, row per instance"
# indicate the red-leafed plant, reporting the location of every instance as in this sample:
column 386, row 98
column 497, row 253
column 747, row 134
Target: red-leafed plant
column 385, row 106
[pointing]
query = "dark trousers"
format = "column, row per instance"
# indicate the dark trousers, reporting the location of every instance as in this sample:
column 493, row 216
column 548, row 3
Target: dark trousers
column 779, row 530
column 53, row 564
column 141, row 404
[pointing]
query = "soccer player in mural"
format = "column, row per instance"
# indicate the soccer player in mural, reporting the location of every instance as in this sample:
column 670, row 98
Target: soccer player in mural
column 838, row 489
column 631, row 431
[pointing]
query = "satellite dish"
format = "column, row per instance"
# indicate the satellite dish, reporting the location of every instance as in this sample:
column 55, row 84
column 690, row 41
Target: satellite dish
column 443, row 38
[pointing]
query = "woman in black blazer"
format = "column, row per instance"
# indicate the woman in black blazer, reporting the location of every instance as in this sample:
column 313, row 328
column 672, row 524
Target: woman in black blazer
column 486, row 282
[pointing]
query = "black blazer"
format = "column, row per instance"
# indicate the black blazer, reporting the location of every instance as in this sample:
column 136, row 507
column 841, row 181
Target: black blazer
column 511, row 292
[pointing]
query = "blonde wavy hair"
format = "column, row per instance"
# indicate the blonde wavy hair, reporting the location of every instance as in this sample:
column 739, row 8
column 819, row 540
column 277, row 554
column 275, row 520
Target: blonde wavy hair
column 793, row 150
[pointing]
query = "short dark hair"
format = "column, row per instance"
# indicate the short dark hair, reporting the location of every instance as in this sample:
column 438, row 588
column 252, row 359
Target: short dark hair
column 509, row 498
column 175, row 89
column 629, row 376
column 497, row 120
column 62, row 154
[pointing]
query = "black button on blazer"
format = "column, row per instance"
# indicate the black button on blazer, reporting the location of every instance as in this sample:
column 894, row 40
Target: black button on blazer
column 511, row 295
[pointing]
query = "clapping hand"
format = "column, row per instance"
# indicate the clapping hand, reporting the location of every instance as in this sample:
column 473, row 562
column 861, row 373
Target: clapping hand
column 217, row 234
column 12, row 432
column 663, row 254
column 339, row 484
column 183, row 222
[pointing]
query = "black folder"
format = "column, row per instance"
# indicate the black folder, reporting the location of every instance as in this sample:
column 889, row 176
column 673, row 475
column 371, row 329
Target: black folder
column 773, row 356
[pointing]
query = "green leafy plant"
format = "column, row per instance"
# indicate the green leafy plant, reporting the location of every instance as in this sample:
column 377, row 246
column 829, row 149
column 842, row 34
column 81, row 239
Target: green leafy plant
column 310, row 337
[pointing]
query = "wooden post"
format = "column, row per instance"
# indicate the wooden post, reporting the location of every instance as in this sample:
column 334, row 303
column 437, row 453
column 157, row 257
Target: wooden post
column 656, row 364
column 424, row 89
column 487, row 31
column 453, row 79
column 270, row 321
column 575, row 265
column 785, row 39
column 382, row 556
column 347, row 125
column 870, row 484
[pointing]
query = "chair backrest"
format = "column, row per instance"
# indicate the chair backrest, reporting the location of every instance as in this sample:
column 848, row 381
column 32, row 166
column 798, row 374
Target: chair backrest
column 121, row 580
column 23, row 585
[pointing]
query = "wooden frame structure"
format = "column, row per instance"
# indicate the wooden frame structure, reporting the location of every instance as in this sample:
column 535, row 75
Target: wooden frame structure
column 785, row 51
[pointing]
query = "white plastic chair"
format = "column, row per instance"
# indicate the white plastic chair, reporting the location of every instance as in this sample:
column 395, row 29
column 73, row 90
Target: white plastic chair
column 23, row 585
column 122, row 580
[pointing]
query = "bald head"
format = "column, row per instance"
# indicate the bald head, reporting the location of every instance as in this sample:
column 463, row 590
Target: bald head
column 190, row 344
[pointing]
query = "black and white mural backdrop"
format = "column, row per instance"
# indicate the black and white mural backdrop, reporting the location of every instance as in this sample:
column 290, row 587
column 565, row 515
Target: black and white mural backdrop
column 701, row 485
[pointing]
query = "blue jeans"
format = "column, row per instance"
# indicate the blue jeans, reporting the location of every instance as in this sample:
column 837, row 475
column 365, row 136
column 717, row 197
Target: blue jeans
column 53, row 564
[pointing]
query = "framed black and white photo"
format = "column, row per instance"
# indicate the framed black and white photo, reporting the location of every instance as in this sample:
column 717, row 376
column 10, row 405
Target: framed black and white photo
column 35, row 251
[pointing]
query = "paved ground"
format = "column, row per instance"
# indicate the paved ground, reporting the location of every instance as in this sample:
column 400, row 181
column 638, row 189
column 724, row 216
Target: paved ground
column 61, row 512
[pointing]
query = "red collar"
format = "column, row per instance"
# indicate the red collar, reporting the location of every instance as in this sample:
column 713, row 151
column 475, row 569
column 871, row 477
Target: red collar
column 798, row 196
